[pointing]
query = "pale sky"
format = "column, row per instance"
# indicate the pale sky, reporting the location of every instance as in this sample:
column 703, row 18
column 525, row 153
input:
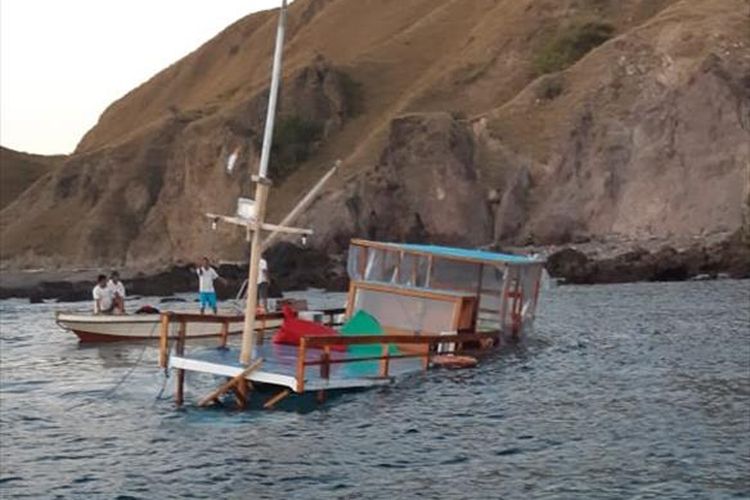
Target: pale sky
column 62, row 62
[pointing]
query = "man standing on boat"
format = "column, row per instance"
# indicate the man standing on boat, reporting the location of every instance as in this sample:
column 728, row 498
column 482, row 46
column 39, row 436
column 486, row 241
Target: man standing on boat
column 263, row 283
column 102, row 296
column 117, row 291
column 206, row 277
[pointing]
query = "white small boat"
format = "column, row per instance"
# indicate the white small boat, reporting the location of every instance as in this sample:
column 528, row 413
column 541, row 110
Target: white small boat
column 117, row 327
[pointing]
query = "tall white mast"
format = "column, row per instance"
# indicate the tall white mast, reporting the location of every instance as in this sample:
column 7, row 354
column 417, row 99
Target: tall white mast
column 261, row 195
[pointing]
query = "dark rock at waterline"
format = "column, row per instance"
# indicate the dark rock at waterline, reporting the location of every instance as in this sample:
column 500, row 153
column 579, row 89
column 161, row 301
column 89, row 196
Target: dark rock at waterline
column 293, row 267
column 568, row 263
column 62, row 291
column 731, row 257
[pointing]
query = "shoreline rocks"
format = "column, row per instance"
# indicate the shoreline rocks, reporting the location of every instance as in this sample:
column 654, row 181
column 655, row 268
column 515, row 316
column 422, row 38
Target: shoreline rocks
column 296, row 268
column 727, row 258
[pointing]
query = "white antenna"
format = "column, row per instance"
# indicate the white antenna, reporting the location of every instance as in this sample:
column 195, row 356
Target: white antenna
column 265, row 153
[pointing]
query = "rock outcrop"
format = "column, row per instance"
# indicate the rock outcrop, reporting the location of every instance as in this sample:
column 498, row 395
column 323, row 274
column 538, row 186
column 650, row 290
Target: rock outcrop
column 491, row 122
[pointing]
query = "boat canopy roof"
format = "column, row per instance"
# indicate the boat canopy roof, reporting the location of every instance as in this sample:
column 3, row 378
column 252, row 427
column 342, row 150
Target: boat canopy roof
column 477, row 256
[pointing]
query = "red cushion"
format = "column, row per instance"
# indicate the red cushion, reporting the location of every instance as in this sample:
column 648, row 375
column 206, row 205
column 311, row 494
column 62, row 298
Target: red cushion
column 293, row 329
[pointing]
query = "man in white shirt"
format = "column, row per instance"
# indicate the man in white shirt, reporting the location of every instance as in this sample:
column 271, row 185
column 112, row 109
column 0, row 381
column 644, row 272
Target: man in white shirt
column 102, row 296
column 117, row 291
column 263, row 283
column 207, row 293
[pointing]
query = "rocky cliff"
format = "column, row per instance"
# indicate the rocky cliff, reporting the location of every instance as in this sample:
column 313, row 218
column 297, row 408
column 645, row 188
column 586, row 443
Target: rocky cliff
column 483, row 122
column 20, row 170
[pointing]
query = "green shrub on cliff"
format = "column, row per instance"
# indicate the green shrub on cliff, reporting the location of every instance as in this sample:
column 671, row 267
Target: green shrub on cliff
column 353, row 95
column 294, row 139
column 570, row 45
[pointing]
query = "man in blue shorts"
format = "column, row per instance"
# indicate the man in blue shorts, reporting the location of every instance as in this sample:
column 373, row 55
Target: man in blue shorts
column 206, row 277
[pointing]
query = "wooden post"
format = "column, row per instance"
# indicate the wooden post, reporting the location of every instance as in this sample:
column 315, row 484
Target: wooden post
column 261, row 193
column 301, row 353
column 262, row 331
column 430, row 265
column 224, row 334
column 248, row 333
column 325, row 362
column 385, row 362
column 230, row 383
column 275, row 399
column 241, row 391
column 325, row 371
column 164, row 340
column 475, row 316
column 179, row 395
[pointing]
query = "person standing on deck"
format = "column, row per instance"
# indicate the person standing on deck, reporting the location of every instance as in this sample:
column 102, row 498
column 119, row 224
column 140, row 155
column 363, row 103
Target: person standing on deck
column 263, row 283
column 206, row 277
column 117, row 291
column 102, row 296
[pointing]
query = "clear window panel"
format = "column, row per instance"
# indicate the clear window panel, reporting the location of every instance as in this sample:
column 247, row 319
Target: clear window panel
column 406, row 312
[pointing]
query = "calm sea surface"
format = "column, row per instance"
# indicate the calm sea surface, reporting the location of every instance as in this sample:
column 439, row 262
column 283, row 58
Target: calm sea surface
column 628, row 391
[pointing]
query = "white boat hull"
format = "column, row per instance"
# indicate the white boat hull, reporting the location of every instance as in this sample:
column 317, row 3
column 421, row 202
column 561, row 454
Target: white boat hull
column 112, row 328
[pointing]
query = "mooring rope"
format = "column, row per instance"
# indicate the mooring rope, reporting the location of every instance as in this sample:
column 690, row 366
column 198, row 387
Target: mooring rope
column 135, row 365
column 127, row 375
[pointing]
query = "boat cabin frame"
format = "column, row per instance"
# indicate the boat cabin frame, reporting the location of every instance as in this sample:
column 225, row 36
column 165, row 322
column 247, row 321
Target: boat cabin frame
column 499, row 291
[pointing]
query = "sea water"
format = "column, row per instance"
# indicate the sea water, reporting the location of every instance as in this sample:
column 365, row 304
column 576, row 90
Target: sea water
column 623, row 391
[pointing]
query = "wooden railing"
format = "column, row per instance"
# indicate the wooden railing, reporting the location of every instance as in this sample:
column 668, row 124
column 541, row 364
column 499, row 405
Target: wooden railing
column 425, row 345
column 168, row 318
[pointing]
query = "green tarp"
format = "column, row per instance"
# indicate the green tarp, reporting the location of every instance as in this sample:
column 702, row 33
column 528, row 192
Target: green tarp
column 363, row 323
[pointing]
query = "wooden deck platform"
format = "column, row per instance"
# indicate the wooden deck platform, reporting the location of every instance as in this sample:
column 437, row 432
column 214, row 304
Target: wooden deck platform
column 280, row 367
column 318, row 364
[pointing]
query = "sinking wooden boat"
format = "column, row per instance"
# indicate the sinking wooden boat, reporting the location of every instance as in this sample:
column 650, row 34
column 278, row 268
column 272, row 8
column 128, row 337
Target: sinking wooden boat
column 422, row 305
column 130, row 327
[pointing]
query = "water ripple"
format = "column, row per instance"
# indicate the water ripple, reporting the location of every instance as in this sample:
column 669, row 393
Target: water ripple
column 630, row 391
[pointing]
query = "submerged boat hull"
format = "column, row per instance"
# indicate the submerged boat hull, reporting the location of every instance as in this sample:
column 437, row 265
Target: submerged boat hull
column 113, row 328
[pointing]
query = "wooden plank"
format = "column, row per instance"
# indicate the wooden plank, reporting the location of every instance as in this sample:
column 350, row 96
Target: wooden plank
column 206, row 318
column 253, row 224
column 444, row 296
column 226, row 386
column 335, row 361
column 260, row 376
column 351, row 296
column 276, row 398
column 321, row 341
column 285, row 229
